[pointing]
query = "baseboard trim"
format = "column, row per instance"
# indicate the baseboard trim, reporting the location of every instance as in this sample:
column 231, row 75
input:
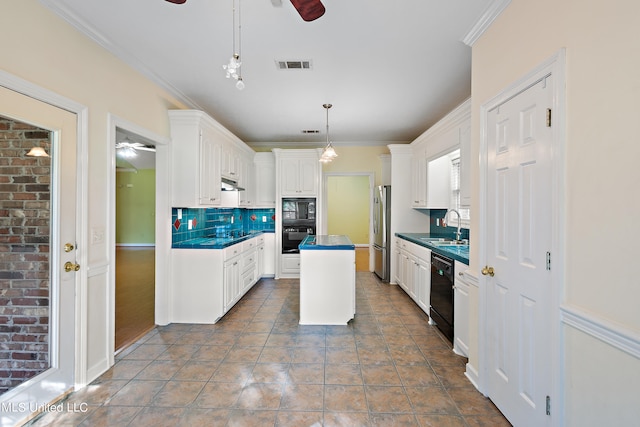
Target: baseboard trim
column 594, row 325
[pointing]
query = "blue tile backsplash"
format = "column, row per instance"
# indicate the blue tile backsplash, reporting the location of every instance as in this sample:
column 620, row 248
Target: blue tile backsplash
column 440, row 231
column 219, row 222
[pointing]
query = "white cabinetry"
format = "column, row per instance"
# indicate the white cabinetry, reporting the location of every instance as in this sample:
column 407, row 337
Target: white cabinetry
column 230, row 162
column 208, row 282
column 430, row 178
column 461, row 310
column 298, row 172
column 246, row 198
column 265, row 180
column 414, row 265
column 195, row 157
column 419, row 177
column 269, row 255
column 290, row 265
column 231, row 274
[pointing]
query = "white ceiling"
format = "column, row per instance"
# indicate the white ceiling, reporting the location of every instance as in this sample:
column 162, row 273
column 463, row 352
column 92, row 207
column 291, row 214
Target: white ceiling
column 391, row 69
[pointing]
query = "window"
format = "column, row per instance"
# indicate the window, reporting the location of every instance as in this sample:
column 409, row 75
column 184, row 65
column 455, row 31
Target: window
column 465, row 218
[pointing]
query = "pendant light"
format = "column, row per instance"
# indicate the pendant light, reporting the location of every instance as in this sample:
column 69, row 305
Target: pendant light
column 233, row 69
column 329, row 153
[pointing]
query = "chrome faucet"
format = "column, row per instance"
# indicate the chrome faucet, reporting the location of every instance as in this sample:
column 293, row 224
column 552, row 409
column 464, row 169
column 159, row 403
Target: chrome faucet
column 458, row 232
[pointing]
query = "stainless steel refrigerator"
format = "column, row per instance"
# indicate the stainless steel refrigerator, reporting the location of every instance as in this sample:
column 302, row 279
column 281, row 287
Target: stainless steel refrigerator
column 382, row 231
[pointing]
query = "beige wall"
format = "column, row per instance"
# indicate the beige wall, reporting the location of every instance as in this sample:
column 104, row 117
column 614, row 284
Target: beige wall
column 602, row 40
column 42, row 49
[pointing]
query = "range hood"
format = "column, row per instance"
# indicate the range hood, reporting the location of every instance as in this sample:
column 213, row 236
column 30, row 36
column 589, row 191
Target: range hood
column 230, row 185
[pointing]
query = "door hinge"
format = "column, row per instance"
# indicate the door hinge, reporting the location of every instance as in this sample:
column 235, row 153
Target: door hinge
column 548, row 261
column 548, row 117
column 548, row 405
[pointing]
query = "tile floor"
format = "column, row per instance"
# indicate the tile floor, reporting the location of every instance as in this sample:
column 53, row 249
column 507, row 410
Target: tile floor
column 258, row 367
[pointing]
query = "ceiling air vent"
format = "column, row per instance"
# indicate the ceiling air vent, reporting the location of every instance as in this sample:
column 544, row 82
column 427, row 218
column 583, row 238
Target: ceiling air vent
column 293, row 65
column 310, row 131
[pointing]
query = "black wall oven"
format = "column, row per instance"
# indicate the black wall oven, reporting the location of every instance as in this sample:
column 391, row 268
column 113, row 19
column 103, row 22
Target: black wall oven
column 442, row 294
column 298, row 221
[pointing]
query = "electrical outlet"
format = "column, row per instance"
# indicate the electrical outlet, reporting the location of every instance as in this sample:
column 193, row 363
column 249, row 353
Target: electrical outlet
column 189, row 224
column 179, row 213
column 264, row 218
column 232, row 220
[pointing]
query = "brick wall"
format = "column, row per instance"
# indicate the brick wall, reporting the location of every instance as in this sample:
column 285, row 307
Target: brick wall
column 24, row 253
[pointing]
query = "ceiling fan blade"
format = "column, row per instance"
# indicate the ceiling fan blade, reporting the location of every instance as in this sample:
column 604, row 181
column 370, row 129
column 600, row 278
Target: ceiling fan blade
column 309, row 10
column 177, row 1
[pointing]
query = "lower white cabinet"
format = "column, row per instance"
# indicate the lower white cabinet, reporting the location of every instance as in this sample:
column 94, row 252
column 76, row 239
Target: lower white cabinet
column 231, row 289
column 413, row 272
column 290, row 265
column 461, row 310
column 206, row 283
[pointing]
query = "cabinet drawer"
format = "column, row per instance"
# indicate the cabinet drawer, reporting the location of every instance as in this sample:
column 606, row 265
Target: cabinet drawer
column 420, row 251
column 231, row 251
column 248, row 260
column 291, row 264
column 247, row 245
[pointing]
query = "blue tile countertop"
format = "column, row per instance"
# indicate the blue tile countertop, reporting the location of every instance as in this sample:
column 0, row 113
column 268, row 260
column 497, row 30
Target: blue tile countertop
column 326, row 242
column 215, row 242
column 457, row 252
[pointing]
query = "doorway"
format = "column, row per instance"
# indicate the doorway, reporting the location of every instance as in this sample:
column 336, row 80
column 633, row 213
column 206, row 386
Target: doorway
column 135, row 223
column 42, row 265
column 348, row 204
column 521, row 224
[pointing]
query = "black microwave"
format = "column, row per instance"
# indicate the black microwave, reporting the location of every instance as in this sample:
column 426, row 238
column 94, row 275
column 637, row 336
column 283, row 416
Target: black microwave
column 295, row 209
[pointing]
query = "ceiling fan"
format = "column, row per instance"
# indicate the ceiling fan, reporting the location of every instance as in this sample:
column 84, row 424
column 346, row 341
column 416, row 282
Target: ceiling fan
column 309, row 10
column 127, row 148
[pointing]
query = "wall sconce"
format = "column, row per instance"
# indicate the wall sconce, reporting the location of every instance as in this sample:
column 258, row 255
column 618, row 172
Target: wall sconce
column 37, row 152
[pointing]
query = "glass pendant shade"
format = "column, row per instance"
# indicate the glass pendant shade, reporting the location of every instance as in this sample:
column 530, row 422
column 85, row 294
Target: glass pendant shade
column 329, row 153
column 37, row 152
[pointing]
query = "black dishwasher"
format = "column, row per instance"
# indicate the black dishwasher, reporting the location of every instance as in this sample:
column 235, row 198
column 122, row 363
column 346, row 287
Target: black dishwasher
column 442, row 294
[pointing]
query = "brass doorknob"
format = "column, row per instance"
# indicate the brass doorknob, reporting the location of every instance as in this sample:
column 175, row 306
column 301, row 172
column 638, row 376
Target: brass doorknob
column 68, row 247
column 487, row 271
column 70, row 266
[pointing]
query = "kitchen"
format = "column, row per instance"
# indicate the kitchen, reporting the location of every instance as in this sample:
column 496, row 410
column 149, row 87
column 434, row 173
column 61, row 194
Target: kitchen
column 595, row 34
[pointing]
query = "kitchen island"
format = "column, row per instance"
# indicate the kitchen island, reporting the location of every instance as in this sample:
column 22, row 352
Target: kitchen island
column 327, row 280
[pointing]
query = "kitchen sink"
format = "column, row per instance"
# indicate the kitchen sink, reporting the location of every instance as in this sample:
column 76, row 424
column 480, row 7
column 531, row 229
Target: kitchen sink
column 448, row 242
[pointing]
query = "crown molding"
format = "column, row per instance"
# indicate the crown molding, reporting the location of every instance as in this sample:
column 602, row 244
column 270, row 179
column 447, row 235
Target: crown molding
column 484, row 22
column 121, row 53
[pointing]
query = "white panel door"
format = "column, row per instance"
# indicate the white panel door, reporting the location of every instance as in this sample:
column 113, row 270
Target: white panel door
column 518, row 239
column 58, row 377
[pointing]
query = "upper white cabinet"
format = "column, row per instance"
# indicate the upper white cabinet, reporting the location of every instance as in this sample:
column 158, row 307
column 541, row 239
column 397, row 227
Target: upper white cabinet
column 230, row 166
column 246, row 198
column 202, row 151
column 298, row 172
column 265, row 180
column 431, row 174
column 195, row 149
column 419, row 176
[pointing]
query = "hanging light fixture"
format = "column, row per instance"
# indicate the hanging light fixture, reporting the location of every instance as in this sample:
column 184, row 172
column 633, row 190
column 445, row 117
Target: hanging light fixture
column 329, row 153
column 233, row 69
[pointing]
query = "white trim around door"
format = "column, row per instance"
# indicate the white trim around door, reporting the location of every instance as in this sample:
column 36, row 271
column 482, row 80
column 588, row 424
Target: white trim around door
column 554, row 66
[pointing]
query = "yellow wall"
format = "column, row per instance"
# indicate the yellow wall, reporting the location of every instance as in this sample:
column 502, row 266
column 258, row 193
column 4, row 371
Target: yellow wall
column 348, row 207
column 358, row 159
column 136, row 207
column 602, row 40
column 46, row 51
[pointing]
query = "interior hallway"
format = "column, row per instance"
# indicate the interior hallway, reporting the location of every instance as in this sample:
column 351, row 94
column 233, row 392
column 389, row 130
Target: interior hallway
column 135, row 293
column 258, row 367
